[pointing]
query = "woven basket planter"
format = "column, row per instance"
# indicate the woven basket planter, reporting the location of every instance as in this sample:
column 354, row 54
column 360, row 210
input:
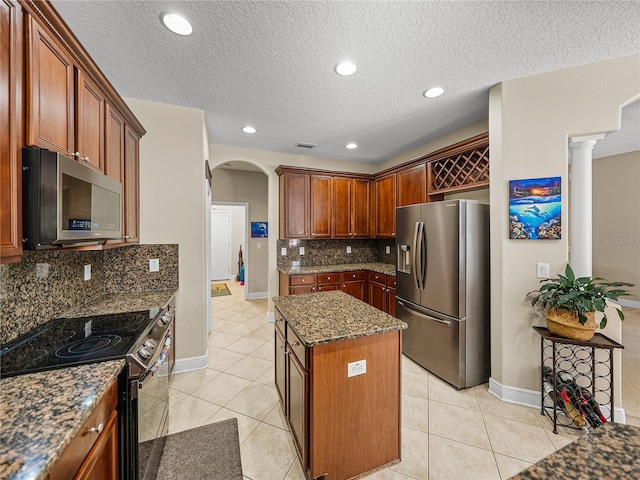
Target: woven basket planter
column 564, row 323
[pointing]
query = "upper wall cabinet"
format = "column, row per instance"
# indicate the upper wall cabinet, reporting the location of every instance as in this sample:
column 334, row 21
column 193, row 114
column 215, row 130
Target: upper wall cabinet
column 351, row 207
column 69, row 107
column 386, row 206
column 320, row 206
column 11, row 133
column 294, row 205
column 50, row 92
column 412, row 185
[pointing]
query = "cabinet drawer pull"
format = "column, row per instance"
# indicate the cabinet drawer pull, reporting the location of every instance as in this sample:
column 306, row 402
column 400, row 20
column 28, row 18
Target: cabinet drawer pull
column 97, row 429
column 295, row 344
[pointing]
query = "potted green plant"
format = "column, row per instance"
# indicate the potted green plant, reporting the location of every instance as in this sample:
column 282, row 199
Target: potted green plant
column 571, row 303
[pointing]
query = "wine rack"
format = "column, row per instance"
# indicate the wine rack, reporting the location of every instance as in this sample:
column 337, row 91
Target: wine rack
column 461, row 171
column 589, row 363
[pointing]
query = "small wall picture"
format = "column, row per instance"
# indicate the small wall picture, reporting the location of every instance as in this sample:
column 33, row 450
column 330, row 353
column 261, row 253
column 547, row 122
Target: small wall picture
column 535, row 207
column 259, row 229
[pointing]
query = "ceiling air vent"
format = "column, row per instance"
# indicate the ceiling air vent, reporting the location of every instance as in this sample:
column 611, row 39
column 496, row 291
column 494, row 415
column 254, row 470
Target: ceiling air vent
column 305, row 145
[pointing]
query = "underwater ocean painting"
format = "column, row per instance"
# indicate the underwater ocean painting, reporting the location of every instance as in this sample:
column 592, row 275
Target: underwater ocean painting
column 535, row 205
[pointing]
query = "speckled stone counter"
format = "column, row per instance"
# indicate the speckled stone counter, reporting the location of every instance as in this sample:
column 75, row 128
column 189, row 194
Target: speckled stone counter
column 333, row 316
column 122, row 303
column 384, row 268
column 609, row 452
column 42, row 412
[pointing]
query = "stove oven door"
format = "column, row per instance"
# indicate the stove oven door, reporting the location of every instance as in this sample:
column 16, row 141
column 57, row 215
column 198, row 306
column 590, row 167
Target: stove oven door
column 153, row 412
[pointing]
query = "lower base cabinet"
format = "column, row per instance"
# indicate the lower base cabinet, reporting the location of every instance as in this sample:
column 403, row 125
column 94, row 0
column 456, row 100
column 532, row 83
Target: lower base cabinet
column 341, row 426
column 93, row 452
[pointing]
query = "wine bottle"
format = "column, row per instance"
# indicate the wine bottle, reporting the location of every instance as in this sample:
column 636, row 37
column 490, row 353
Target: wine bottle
column 575, row 415
column 579, row 402
column 593, row 404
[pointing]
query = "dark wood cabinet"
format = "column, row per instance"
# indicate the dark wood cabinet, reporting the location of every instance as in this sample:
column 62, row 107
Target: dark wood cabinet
column 11, row 133
column 90, row 122
column 385, row 205
column 131, row 186
column 412, row 185
column 294, row 205
column 55, row 97
column 292, row 383
column 93, row 452
column 328, row 282
column 355, row 284
column 320, row 206
column 50, row 92
column 382, row 292
column 351, row 212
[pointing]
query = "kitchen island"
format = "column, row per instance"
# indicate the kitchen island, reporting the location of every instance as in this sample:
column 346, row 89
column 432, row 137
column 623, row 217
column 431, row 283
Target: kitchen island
column 338, row 374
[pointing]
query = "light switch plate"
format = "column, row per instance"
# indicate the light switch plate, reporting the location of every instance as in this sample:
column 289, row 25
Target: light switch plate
column 542, row 270
column 283, row 251
column 87, row 272
column 348, row 249
column 387, row 249
column 356, row 368
column 301, row 250
column 258, row 246
column 154, row 265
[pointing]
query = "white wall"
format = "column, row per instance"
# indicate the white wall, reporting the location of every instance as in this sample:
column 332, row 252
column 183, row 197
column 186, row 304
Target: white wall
column 174, row 205
column 530, row 122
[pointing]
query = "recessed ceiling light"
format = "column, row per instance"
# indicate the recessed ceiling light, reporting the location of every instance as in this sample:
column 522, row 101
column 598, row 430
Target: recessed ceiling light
column 434, row 92
column 176, row 23
column 351, row 146
column 248, row 129
column 346, row 68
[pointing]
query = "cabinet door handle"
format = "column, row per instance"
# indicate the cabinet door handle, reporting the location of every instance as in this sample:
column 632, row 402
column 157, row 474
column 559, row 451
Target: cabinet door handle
column 97, row 429
column 295, row 344
column 312, row 234
column 76, row 154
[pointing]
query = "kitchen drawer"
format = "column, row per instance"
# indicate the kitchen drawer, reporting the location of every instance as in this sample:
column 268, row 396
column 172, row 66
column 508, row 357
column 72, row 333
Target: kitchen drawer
column 354, row 276
column 297, row 346
column 74, row 455
column 302, row 280
column 324, row 278
column 328, row 287
column 377, row 277
column 391, row 281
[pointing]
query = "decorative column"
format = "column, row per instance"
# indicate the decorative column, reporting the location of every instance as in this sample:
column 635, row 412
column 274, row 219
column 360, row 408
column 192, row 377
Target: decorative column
column 580, row 204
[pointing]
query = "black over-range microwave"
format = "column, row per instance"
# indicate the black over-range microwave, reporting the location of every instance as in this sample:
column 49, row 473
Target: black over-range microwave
column 65, row 202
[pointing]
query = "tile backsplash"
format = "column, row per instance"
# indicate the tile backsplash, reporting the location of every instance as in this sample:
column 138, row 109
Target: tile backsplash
column 334, row 252
column 47, row 283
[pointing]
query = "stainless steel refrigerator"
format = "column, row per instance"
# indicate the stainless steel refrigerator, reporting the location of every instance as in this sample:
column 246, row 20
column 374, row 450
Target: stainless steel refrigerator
column 443, row 288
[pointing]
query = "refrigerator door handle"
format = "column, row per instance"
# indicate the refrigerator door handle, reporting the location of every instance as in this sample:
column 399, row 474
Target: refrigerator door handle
column 422, row 315
column 414, row 256
column 423, row 256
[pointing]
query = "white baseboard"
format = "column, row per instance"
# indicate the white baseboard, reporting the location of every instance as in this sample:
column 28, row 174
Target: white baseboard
column 531, row 398
column 628, row 303
column 270, row 317
column 188, row 364
column 257, row 295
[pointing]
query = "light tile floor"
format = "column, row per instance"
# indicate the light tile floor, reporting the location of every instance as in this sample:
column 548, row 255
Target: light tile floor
column 446, row 434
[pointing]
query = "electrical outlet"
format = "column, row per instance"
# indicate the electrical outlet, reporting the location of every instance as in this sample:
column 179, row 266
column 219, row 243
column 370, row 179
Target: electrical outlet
column 542, row 270
column 348, row 249
column 356, row 368
column 258, row 246
column 387, row 249
column 283, row 251
column 87, row 272
column 301, row 250
column 154, row 265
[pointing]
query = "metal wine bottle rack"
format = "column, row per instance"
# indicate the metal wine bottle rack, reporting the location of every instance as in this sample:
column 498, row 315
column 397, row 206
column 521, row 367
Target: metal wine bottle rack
column 579, row 360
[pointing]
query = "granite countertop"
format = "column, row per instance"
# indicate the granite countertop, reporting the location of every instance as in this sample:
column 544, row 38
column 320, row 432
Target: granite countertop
column 42, row 412
column 609, row 452
column 332, row 316
column 125, row 302
column 384, row 268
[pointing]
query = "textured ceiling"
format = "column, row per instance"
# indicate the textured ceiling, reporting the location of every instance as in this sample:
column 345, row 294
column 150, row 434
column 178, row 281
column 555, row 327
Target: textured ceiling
column 270, row 64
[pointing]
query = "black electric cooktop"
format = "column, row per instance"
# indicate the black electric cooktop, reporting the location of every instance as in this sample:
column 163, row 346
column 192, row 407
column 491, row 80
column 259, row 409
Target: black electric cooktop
column 65, row 342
